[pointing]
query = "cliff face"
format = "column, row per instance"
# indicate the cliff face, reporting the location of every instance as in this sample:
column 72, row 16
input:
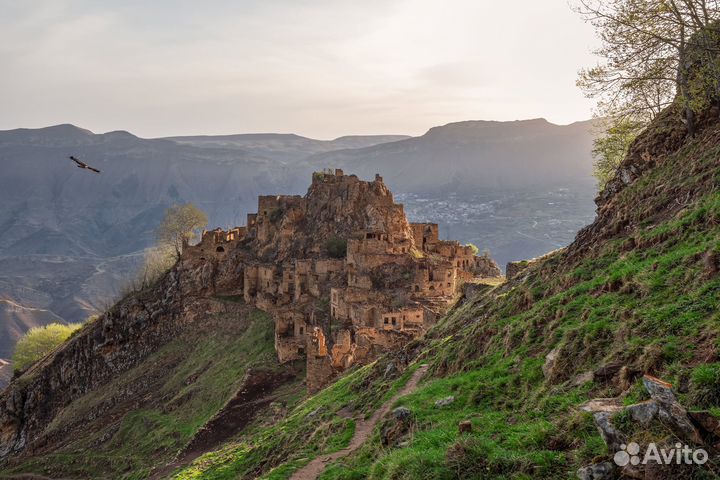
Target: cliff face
column 121, row 339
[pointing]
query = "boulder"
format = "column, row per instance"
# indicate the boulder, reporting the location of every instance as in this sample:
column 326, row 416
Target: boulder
column 612, row 437
column 609, row 405
column 402, row 413
column 394, row 431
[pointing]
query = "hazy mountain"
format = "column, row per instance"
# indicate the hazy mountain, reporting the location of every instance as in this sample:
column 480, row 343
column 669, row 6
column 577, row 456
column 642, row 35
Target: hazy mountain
column 478, row 154
column 285, row 146
column 69, row 237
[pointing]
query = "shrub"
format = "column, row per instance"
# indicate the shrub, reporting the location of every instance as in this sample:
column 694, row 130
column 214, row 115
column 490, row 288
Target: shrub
column 39, row 341
column 336, row 247
column 474, row 248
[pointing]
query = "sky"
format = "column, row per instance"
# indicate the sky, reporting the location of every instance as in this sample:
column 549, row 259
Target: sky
column 319, row 68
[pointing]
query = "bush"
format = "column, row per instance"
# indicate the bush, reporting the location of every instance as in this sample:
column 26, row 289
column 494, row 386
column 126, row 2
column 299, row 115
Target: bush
column 473, row 247
column 336, row 247
column 39, row 341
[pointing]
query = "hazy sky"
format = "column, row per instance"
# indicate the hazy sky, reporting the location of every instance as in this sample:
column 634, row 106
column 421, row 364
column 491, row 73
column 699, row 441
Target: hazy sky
column 320, row 68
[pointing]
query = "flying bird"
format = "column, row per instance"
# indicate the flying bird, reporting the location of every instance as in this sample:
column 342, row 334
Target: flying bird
column 83, row 164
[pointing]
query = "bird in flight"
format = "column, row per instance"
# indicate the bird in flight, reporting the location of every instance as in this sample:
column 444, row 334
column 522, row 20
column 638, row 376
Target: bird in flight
column 83, row 164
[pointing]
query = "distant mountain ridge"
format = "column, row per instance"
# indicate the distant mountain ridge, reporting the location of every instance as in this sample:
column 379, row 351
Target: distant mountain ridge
column 285, row 146
column 472, row 154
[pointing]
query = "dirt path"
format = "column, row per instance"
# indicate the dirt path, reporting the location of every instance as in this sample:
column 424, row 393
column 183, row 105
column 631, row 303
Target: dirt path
column 363, row 430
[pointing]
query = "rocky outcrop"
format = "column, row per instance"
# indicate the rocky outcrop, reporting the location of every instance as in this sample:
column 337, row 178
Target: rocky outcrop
column 343, row 254
column 6, row 372
column 696, row 429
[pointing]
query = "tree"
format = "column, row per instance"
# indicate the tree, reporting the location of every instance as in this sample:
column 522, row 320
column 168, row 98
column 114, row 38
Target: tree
column 647, row 47
column 181, row 224
column 610, row 149
column 336, row 247
column 474, row 248
column 39, row 341
column 649, row 50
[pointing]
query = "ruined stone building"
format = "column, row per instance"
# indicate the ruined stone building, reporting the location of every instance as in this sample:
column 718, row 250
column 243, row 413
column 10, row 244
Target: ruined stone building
column 343, row 273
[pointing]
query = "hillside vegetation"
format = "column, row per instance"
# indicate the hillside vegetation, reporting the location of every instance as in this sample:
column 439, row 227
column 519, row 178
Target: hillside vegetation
column 637, row 293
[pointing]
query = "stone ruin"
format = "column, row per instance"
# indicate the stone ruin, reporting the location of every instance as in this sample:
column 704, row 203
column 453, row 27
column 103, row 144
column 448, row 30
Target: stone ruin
column 342, row 272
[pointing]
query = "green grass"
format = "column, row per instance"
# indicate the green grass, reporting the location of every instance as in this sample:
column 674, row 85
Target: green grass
column 312, row 428
column 649, row 306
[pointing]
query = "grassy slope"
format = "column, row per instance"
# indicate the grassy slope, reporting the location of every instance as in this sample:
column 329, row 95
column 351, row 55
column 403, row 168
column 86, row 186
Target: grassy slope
column 647, row 303
column 196, row 375
column 311, row 428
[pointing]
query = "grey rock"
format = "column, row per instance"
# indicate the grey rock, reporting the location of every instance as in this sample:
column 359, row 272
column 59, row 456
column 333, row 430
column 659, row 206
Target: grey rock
column 597, row 471
column 644, row 412
column 670, row 411
column 612, row 437
column 550, row 362
column 444, row 402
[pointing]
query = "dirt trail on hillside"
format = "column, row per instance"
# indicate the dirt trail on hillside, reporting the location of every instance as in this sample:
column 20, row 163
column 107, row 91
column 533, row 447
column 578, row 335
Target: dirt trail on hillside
column 363, row 430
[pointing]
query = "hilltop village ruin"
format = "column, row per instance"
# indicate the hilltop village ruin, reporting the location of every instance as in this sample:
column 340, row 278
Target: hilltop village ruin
column 341, row 271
